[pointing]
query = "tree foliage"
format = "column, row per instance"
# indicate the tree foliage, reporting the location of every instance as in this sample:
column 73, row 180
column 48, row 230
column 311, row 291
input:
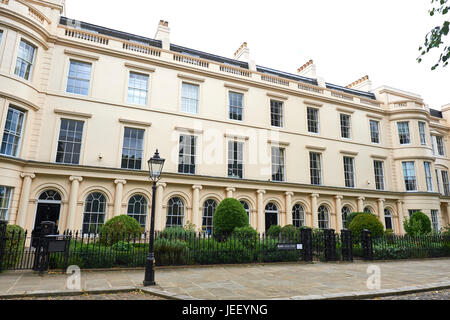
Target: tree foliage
column 435, row 38
column 229, row 214
column 418, row 224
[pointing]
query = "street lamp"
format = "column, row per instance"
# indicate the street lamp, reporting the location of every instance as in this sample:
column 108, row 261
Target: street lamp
column 155, row 165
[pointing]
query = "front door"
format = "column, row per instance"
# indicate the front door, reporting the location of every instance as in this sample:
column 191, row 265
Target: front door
column 47, row 212
column 271, row 218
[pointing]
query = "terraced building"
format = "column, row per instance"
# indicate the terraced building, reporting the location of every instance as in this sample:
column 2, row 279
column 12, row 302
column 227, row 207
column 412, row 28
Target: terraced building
column 82, row 108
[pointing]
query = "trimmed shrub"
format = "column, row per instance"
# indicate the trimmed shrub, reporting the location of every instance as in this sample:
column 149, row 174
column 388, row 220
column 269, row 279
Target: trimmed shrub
column 177, row 233
column 169, row 252
column 417, row 224
column 13, row 246
column 119, row 228
column 274, row 231
column 229, row 214
column 247, row 236
column 290, row 232
column 366, row 221
column 351, row 216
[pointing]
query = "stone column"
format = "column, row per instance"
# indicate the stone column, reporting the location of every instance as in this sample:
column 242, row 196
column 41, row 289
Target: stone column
column 448, row 212
column 196, row 218
column 159, row 213
column 361, row 204
column 381, row 212
column 230, row 192
column 24, row 198
column 73, row 199
column 400, row 216
column 315, row 218
column 118, row 196
column 288, row 207
column 338, row 208
column 260, row 214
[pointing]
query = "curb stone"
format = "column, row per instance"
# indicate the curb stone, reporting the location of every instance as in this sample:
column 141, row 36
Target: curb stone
column 375, row 293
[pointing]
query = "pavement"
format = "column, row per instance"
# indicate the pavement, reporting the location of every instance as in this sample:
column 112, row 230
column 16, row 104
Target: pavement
column 294, row 281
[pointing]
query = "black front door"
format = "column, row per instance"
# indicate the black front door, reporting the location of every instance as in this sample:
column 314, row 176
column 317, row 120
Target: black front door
column 271, row 218
column 47, row 212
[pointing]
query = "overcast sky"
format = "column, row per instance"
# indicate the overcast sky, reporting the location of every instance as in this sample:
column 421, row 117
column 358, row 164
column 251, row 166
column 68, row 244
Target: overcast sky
column 347, row 39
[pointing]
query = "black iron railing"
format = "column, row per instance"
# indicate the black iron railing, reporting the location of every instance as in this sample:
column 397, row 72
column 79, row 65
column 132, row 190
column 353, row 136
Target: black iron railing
column 191, row 248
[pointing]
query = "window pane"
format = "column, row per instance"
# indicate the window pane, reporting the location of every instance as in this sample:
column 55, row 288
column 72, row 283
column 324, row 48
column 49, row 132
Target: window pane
column 423, row 136
column 379, row 174
column 345, row 126
column 349, row 174
column 374, row 131
column 132, row 149
column 235, row 105
column 79, row 77
column 94, row 212
column 69, row 142
column 409, row 174
column 189, row 98
column 277, row 164
column 12, row 134
column 276, row 113
column 313, row 120
column 403, row 132
column 5, row 197
column 137, row 88
column 315, row 168
column 187, row 151
column 25, row 60
column 235, row 159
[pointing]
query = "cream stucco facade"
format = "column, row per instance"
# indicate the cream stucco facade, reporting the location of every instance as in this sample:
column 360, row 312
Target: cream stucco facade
column 105, row 111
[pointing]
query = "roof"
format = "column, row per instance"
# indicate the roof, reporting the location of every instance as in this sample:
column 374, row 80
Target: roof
column 204, row 55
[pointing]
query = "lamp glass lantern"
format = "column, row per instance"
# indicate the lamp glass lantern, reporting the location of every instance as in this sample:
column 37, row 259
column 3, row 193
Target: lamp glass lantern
column 155, row 166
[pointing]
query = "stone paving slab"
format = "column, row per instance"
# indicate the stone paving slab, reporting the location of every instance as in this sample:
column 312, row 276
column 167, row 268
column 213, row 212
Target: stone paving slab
column 248, row 282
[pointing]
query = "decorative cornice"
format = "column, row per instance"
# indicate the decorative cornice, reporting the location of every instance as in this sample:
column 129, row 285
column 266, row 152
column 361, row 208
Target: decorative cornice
column 81, row 55
column 190, row 130
column 318, row 148
column 189, row 77
column 72, row 113
column 235, row 87
column 135, row 122
column 276, row 96
column 139, row 67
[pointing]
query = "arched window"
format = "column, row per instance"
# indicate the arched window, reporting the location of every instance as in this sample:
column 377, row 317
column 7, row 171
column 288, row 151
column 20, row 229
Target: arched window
column 323, row 217
column 298, row 215
column 175, row 212
column 94, row 212
column 367, row 210
column 271, row 215
column 388, row 219
column 247, row 209
column 50, row 195
column 345, row 213
column 209, row 206
column 137, row 208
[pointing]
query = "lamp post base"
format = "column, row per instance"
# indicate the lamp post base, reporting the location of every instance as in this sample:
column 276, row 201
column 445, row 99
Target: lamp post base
column 149, row 283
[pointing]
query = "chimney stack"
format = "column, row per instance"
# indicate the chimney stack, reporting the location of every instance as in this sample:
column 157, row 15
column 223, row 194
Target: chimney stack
column 163, row 34
column 308, row 70
column 243, row 54
column 363, row 84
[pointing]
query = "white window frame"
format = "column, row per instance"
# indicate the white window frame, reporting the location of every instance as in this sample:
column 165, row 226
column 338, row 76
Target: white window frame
column 21, row 136
column 422, row 133
column 147, row 89
column 184, row 82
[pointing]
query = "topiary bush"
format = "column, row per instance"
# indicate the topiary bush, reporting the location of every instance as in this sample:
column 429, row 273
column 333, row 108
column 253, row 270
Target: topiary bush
column 366, row 221
column 418, row 224
column 119, row 228
column 246, row 235
column 177, row 233
column 274, row 231
column 290, row 232
column 352, row 216
column 229, row 214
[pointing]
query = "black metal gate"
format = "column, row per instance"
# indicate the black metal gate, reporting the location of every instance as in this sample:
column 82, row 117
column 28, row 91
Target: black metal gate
column 20, row 250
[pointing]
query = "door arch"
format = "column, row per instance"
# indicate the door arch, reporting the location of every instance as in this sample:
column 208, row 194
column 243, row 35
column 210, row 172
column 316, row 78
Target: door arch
column 48, row 208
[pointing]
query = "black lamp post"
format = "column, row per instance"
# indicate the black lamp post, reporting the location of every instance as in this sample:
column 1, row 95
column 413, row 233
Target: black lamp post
column 155, row 165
